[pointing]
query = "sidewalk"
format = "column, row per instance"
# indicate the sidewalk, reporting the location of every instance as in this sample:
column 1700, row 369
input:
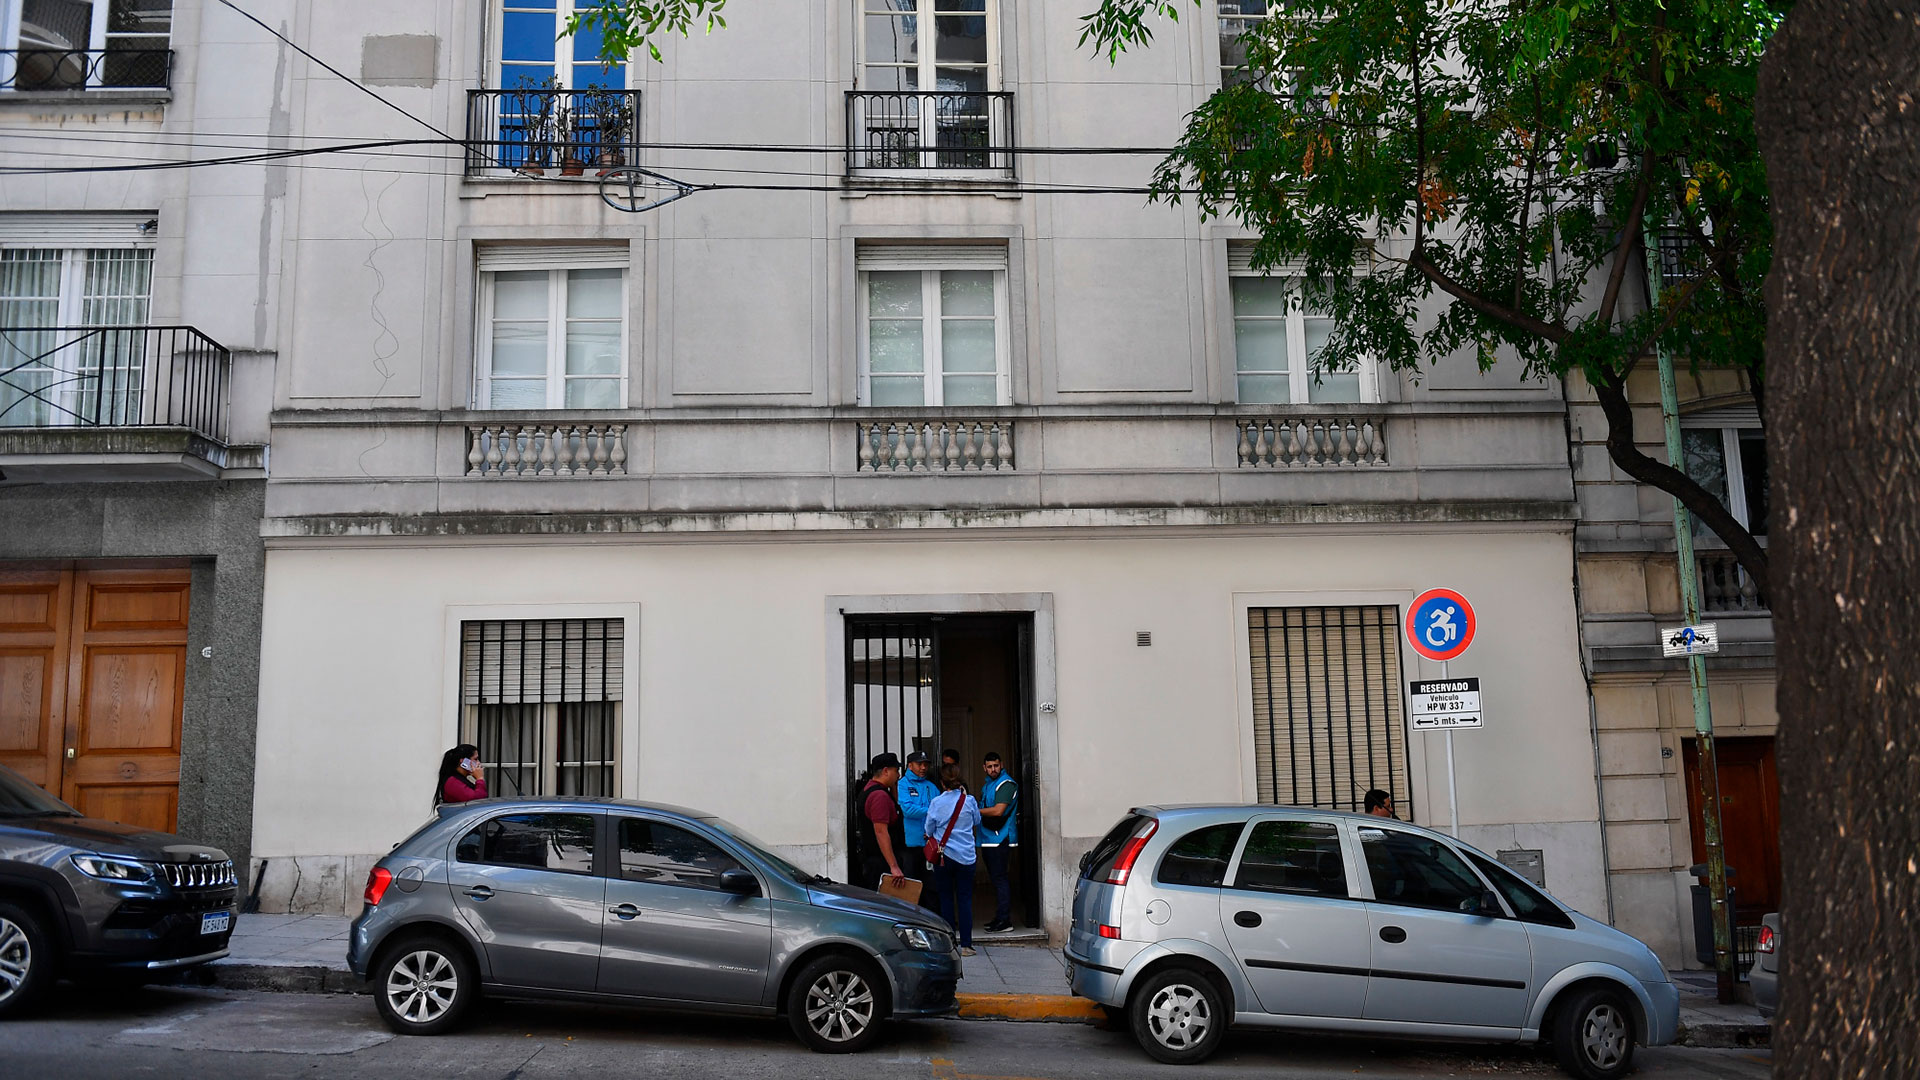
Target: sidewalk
column 308, row 954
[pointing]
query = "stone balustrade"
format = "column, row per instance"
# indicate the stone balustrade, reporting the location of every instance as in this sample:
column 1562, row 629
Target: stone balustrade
column 546, row 450
column 1312, row 442
column 931, row 446
column 1724, row 587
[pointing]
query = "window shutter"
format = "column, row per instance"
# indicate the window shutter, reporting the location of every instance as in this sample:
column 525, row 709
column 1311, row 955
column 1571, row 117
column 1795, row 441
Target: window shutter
column 1240, row 263
column 1726, row 416
column 120, row 229
column 1328, row 722
column 515, row 662
column 931, row 257
column 555, row 257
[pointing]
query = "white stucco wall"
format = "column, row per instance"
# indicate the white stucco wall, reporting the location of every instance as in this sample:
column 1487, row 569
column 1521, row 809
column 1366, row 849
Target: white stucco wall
column 731, row 707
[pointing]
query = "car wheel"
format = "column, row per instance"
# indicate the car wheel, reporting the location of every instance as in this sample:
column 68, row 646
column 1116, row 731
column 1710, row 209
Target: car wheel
column 1593, row 1034
column 835, row 1005
column 1178, row 1016
column 26, row 959
column 424, row 986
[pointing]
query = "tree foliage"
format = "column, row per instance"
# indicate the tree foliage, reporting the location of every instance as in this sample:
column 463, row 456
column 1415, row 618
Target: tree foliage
column 1510, row 159
column 627, row 26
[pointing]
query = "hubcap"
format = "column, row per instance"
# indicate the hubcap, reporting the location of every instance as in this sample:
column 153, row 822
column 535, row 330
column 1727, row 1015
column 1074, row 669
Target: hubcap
column 1604, row 1036
column 1179, row 1017
column 421, row 986
column 16, row 958
column 839, row 1006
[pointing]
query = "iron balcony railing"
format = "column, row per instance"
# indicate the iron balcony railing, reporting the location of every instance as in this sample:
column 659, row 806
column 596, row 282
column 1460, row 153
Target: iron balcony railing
column 539, row 130
column 915, row 131
column 86, row 69
column 114, row 376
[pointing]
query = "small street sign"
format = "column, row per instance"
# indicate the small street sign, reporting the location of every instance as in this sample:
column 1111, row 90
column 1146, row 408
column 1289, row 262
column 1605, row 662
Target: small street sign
column 1700, row 639
column 1444, row 704
column 1440, row 624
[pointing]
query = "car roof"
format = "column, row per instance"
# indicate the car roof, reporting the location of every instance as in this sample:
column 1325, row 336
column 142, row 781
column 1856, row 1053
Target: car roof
column 1227, row 811
column 576, row 802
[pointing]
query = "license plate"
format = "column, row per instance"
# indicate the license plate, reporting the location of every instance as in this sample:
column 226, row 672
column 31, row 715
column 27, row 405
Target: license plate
column 216, row 922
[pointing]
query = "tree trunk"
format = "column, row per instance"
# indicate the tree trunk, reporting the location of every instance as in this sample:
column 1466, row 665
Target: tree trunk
column 1839, row 127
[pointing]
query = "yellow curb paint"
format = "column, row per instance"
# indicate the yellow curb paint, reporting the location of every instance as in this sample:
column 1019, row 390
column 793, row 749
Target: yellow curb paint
column 1055, row 1007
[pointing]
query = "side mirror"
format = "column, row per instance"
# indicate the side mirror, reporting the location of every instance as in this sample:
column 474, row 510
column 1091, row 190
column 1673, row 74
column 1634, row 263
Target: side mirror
column 739, row 882
column 1489, row 905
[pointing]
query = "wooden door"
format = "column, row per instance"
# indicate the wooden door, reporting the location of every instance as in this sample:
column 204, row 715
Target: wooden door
column 1749, row 822
column 36, row 610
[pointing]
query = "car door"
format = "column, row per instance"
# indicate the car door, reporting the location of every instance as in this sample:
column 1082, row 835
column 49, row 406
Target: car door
column 671, row 931
column 1436, row 958
column 525, row 882
column 1297, row 927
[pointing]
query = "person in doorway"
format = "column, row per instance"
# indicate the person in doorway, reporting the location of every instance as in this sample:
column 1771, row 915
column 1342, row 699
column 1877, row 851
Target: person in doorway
column 949, row 756
column 954, row 816
column 1380, row 804
column 915, row 793
column 999, row 835
column 879, row 836
column 462, row 777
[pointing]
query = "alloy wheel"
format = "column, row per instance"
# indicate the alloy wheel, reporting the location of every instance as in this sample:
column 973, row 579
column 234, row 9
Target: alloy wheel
column 840, row 1006
column 1179, row 1017
column 1604, row 1036
column 421, row 986
column 16, row 958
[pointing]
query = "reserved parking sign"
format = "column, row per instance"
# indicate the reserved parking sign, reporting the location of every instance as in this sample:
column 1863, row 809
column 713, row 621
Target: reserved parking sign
column 1444, row 704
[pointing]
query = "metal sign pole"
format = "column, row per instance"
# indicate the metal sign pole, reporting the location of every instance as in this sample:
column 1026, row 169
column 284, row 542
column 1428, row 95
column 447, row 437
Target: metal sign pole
column 1709, row 763
column 1453, row 792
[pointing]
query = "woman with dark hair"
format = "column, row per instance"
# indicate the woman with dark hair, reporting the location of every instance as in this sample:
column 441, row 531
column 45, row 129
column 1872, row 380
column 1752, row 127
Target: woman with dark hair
column 951, row 820
column 462, row 778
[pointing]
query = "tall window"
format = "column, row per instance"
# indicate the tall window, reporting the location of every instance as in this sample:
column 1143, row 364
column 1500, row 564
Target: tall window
column 541, row 699
column 925, row 45
column 553, row 330
column 1276, row 348
column 128, row 40
column 1236, row 18
column 1327, row 719
column 927, row 73
column 935, row 328
column 52, row 370
column 532, row 51
column 1730, row 462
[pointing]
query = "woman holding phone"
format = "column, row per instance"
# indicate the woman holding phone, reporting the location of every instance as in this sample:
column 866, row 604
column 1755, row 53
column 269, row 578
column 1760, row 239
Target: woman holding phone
column 462, row 777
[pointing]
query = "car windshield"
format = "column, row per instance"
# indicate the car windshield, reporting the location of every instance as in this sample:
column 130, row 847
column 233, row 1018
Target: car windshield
column 20, row 797
column 754, row 844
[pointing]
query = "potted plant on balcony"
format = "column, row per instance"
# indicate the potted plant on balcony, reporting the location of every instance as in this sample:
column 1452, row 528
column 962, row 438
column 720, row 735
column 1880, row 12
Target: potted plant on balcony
column 528, row 123
column 573, row 125
column 612, row 113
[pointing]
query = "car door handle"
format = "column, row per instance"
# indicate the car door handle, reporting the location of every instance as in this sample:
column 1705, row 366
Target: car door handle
column 1392, row 935
column 480, row 892
column 1247, row 918
column 625, row 911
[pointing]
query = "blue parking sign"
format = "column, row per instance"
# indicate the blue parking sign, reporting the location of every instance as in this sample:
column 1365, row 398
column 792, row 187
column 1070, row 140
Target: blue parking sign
column 1440, row 624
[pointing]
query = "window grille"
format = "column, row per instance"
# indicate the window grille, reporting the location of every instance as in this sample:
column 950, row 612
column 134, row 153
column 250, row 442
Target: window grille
column 1328, row 720
column 541, row 699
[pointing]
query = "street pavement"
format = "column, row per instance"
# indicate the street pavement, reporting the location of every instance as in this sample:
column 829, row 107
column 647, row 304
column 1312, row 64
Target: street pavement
column 85, row 1034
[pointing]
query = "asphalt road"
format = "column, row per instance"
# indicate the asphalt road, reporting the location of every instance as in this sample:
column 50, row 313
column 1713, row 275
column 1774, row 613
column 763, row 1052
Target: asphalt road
column 175, row 1032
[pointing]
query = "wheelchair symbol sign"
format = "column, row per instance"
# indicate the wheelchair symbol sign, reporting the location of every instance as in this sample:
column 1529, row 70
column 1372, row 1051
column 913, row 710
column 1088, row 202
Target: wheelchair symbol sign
column 1440, row 624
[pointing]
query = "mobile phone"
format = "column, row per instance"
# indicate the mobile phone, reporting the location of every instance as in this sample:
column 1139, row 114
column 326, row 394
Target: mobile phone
column 466, row 764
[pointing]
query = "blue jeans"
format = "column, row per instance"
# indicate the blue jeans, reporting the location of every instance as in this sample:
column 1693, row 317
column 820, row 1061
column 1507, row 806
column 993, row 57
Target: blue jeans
column 997, row 857
column 954, row 880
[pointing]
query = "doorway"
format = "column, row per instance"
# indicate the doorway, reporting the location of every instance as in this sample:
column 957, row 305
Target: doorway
column 1749, row 822
column 950, row 682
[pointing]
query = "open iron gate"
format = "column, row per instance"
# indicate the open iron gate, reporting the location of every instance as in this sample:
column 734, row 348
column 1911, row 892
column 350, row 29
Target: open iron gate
column 893, row 696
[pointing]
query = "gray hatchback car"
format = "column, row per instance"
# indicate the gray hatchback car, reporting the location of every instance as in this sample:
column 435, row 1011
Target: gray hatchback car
column 1189, row 919
column 628, row 902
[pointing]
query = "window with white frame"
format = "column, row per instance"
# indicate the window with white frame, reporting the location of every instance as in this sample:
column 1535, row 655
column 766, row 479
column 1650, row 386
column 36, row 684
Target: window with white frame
column 926, row 95
column 1237, row 17
column 933, row 326
column 1726, row 453
column 530, row 49
column 75, row 44
column 927, row 45
column 1277, row 342
column 541, row 698
column 55, row 360
column 553, row 329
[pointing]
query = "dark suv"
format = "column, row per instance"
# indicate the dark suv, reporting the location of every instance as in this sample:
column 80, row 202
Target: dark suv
column 80, row 896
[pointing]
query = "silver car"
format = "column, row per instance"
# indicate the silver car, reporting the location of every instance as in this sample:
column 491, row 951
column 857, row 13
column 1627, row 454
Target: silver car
column 608, row 900
column 1189, row 919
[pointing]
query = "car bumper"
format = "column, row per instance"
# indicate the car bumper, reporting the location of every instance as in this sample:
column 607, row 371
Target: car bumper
column 1766, row 990
column 924, row 983
column 1096, row 982
column 158, row 933
column 1663, row 1017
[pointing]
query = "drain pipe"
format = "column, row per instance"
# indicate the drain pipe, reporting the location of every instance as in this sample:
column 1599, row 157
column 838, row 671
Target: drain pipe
column 1586, row 674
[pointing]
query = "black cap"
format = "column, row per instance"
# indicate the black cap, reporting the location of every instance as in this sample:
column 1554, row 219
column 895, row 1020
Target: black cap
column 917, row 757
column 883, row 761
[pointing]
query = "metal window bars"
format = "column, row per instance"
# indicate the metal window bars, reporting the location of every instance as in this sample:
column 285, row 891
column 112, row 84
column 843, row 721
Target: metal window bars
column 114, row 376
column 542, row 702
column 534, row 129
column 86, row 69
column 945, row 130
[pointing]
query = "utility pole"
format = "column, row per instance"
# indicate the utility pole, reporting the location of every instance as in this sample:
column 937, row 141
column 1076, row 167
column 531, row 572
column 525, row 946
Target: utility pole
column 1709, row 762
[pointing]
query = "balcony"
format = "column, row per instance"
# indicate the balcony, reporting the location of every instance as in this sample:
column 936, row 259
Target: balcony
column 113, row 402
column 69, row 70
column 1725, row 589
column 551, row 131
column 959, row 135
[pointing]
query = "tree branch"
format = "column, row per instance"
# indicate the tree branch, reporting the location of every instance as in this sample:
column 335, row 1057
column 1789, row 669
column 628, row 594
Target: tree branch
column 1680, row 303
column 1519, row 320
column 1629, row 235
column 1698, row 500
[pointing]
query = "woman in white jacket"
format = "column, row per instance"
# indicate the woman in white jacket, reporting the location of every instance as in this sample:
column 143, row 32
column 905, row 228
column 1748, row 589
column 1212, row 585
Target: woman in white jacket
column 953, row 816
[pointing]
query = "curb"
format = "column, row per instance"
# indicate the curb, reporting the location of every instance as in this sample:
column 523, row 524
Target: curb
column 1030, row 1008
column 284, row 978
column 1724, row 1036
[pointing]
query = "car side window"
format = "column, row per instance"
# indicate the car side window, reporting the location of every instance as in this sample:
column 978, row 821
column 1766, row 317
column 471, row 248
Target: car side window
column 1418, row 871
column 1299, row 857
column 662, row 854
column 1527, row 902
column 1200, row 858
column 562, row 842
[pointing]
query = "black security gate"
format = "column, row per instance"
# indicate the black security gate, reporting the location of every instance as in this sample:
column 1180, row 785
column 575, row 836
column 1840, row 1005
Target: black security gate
column 893, row 693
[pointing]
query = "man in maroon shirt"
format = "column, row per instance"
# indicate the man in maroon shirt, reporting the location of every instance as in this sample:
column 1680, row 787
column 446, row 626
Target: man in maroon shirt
column 879, row 825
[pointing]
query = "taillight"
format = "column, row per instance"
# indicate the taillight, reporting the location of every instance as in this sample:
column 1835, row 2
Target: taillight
column 1766, row 940
column 1109, row 931
column 377, row 882
column 1123, row 866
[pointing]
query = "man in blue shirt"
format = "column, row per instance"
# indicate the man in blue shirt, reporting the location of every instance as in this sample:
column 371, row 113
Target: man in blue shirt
column 915, row 793
column 999, row 835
